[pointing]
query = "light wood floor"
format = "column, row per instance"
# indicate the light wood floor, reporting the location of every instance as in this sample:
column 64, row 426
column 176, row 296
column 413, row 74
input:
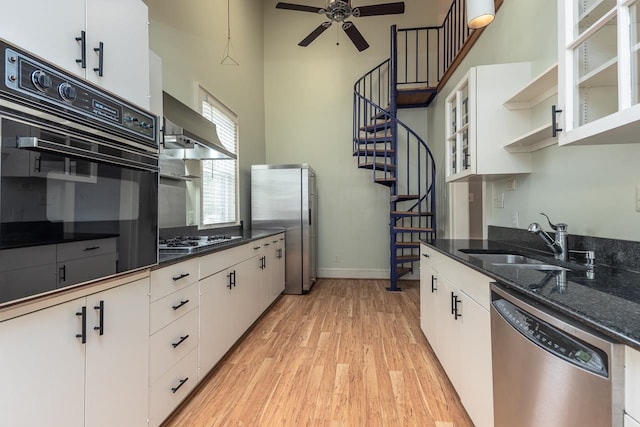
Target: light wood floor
column 347, row 354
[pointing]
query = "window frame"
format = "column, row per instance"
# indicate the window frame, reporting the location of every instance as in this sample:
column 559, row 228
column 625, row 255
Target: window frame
column 203, row 95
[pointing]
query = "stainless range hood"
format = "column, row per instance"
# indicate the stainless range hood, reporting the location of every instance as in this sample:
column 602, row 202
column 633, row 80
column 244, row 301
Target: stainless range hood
column 189, row 136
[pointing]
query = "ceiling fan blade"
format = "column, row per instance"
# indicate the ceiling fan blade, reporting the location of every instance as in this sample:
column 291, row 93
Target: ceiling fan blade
column 302, row 8
column 380, row 9
column 315, row 33
column 355, row 36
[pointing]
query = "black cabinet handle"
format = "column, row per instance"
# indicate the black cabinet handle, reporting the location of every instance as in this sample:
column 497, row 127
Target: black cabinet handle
column 83, row 334
column 264, row 262
column 91, row 248
column 255, row 248
column 182, row 276
column 554, row 121
column 280, row 253
column 62, row 273
column 100, row 51
column 83, row 49
column 182, row 339
column 453, row 309
column 267, row 244
column 426, row 255
column 175, row 307
column 100, row 327
column 455, row 313
column 174, row 389
column 38, row 164
column 230, row 284
column 433, row 283
column 234, row 278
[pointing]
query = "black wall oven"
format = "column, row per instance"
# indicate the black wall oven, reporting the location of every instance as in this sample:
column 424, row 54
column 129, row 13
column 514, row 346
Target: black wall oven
column 78, row 180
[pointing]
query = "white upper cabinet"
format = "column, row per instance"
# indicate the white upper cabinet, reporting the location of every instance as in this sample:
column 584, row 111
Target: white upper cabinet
column 115, row 30
column 598, row 71
column 478, row 125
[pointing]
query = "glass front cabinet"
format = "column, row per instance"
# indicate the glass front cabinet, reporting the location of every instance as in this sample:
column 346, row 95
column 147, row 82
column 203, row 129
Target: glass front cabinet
column 598, row 70
column 478, row 125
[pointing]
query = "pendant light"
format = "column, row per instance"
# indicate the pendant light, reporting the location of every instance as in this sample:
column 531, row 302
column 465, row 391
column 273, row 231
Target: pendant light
column 480, row 13
column 227, row 58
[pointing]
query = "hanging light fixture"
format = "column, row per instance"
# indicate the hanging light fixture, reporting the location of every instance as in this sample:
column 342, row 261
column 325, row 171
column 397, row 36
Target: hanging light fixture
column 480, row 13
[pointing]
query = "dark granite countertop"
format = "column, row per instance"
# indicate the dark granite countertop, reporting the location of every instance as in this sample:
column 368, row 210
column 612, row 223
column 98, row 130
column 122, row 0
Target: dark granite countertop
column 165, row 259
column 607, row 300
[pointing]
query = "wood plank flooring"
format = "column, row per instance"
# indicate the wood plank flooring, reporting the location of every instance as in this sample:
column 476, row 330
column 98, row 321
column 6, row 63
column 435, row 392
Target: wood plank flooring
column 347, row 354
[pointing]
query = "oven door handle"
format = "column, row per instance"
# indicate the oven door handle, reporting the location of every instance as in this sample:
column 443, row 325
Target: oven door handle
column 33, row 143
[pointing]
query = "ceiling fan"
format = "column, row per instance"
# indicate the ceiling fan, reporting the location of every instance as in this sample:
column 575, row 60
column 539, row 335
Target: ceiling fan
column 339, row 11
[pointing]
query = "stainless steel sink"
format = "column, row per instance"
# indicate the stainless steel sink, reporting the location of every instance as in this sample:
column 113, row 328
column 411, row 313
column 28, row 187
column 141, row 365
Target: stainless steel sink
column 513, row 260
column 532, row 266
column 505, row 258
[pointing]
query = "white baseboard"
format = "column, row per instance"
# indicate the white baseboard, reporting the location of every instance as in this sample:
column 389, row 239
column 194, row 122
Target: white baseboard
column 362, row 273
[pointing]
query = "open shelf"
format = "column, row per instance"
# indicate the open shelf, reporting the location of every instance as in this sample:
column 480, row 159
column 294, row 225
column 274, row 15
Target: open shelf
column 531, row 141
column 540, row 88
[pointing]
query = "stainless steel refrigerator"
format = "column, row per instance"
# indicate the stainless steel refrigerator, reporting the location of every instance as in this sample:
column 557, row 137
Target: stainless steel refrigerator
column 284, row 197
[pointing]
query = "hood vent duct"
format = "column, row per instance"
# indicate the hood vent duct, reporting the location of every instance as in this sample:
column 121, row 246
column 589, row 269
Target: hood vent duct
column 189, row 136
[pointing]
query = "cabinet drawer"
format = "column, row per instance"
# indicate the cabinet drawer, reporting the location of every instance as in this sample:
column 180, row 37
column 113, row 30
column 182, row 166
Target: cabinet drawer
column 172, row 307
column 471, row 282
column 86, row 248
column 432, row 258
column 172, row 343
column 167, row 280
column 632, row 382
column 164, row 394
column 213, row 263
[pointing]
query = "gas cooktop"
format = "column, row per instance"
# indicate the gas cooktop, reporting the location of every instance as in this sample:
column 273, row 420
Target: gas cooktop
column 188, row 244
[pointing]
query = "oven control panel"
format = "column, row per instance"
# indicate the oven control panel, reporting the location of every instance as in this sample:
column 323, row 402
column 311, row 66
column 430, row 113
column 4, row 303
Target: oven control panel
column 44, row 86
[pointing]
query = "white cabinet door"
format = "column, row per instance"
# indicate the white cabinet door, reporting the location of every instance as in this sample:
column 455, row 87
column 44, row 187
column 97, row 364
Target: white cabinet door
column 42, row 364
column 248, row 291
column 632, row 382
column 117, row 366
column 630, row 422
column 598, row 59
column 122, row 28
column 449, row 331
column 476, row 388
column 217, row 319
column 429, row 308
column 47, row 29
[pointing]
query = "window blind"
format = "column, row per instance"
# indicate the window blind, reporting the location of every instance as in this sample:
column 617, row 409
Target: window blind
column 219, row 177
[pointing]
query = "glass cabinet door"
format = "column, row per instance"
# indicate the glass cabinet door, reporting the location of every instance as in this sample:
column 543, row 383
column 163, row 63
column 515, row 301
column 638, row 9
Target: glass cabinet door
column 599, row 72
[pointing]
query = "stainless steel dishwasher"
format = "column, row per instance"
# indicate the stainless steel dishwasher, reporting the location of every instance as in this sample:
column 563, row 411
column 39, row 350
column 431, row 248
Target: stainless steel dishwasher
column 548, row 371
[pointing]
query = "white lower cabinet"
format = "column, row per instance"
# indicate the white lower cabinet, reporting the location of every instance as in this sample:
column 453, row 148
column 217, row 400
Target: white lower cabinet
column 454, row 316
column 632, row 387
column 59, row 380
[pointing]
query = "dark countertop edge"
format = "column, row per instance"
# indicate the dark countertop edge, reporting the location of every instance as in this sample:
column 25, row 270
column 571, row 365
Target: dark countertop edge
column 247, row 237
column 482, row 244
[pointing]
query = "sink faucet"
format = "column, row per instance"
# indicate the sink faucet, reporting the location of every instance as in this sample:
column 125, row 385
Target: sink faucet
column 557, row 245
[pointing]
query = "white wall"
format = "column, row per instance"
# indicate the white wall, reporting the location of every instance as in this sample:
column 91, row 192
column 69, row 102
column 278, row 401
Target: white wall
column 308, row 107
column 190, row 36
column 590, row 188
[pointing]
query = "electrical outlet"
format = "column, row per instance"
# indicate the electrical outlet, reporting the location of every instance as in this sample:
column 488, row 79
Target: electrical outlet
column 511, row 184
column 498, row 201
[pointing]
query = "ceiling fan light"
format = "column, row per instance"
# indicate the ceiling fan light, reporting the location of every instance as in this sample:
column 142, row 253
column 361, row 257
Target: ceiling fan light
column 480, row 13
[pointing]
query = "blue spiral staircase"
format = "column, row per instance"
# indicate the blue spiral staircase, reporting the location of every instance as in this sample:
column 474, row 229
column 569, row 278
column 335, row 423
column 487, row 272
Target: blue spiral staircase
column 421, row 60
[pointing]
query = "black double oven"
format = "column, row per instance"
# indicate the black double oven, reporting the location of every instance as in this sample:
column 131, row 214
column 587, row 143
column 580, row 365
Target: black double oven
column 78, row 180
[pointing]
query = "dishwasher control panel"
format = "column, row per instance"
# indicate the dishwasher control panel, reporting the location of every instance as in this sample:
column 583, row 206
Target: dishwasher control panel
column 552, row 339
